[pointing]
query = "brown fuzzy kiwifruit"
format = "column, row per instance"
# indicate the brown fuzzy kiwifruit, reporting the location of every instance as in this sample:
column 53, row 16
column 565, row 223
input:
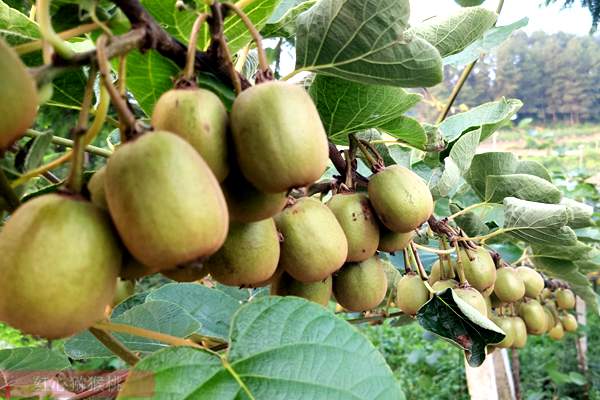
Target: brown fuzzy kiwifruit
column 401, row 198
column 509, row 287
column 532, row 313
column 279, row 139
column 479, row 267
column 506, row 324
column 436, row 271
column 314, row 244
column 199, row 117
column 360, row 286
column 318, row 292
column 440, row 286
column 520, row 331
column 18, row 97
column 411, row 293
column 96, row 189
column 565, row 299
column 569, row 322
column 59, row 266
column 356, row 217
column 249, row 256
column 472, row 297
column 557, row 332
column 392, row 242
column 534, row 283
column 169, row 211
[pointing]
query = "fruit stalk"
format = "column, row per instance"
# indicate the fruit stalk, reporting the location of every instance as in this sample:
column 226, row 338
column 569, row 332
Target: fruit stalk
column 36, row 45
column 219, row 46
column 114, row 345
column 188, row 72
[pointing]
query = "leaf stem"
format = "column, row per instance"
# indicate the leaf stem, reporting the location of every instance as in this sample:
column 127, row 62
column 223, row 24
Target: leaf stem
column 36, row 45
column 114, row 345
column 48, row 34
column 188, row 72
column 460, row 267
column 483, row 238
column 146, row 333
column 468, row 209
column 237, row 378
column 432, row 250
column 7, row 192
column 292, row 74
column 69, row 143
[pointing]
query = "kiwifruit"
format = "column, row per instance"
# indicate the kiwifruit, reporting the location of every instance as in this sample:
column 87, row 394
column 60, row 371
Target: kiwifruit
column 556, row 332
column 488, row 303
column 318, row 292
column 411, row 293
column 436, row 272
column 440, row 286
column 59, row 266
column 509, row 286
column 18, row 97
column 534, row 283
column 479, row 271
column 199, row 117
column 360, row 286
column 400, row 198
column 532, row 313
column 470, row 3
column 392, row 242
column 249, row 256
column 357, row 219
column 96, row 188
column 520, row 333
column 550, row 319
column 565, row 299
column 279, row 138
column 164, row 200
column 472, row 297
column 547, row 293
column 190, row 272
column 494, row 300
column 123, row 290
column 569, row 322
column 314, row 245
column 506, row 324
column 248, row 204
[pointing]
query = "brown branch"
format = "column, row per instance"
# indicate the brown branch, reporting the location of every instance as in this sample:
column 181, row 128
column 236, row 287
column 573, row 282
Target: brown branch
column 340, row 165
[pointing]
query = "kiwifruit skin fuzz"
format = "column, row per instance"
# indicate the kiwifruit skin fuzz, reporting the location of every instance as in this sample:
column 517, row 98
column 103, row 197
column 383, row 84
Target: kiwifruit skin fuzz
column 565, row 299
column 392, row 242
column 360, row 286
column 509, row 287
column 411, row 293
column 481, row 271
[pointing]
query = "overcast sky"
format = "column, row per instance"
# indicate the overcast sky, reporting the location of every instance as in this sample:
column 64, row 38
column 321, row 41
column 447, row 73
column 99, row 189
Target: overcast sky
column 550, row 19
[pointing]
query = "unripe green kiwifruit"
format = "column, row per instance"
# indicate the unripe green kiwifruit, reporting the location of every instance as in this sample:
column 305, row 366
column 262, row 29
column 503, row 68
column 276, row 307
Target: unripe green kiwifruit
column 314, row 245
column 360, row 286
column 18, row 96
column 520, row 333
column 509, row 286
column 96, row 189
column 556, row 332
column 488, row 303
column 470, row 3
column 534, row 283
column 165, row 202
column 547, row 293
column 532, row 313
column 392, row 242
column 279, row 138
column 506, row 324
column 481, row 270
column 249, row 256
column 411, row 293
column 248, row 204
column 550, row 319
column 59, row 266
column 123, row 290
column 472, row 297
column 565, row 299
column 357, row 219
column 440, row 286
column 569, row 322
column 400, row 198
column 199, row 117
column 191, row 272
column 436, row 272
column 318, row 292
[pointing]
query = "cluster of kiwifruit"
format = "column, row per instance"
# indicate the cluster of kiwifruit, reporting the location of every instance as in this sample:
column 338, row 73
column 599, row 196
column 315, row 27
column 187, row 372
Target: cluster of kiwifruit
column 206, row 192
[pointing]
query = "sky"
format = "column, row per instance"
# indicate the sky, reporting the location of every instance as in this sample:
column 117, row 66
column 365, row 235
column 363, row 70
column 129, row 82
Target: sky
column 551, row 19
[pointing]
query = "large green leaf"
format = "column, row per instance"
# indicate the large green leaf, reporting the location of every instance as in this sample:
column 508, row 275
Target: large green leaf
column 521, row 186
column 490, row 40
column 449, row 316
column 365, row 41
column 580, row 213
column 346, row 107
column 492, row 163
column 406, row 130
column 280, row 348
column 531, row 167
column 159, row 316
column 28, row 365
column 451, row 34
column 284, row 25
column 490, row 116
column 538, row 223
column 16, row 27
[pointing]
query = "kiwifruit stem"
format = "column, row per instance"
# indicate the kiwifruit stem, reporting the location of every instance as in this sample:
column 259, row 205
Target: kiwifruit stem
column 188, row 72
column 417, row 259
column 348, row 178
column 220, row 45
column 407, row 267
column 47, row 32
column 114, row 345
column 7, row 192
column 36, row 45
column 461, row 270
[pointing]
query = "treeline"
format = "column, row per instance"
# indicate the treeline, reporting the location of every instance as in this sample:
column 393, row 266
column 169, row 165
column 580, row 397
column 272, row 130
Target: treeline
column 556, row 76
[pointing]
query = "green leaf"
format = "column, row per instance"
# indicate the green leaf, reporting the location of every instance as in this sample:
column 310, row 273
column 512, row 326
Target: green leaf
column 521, row 186
column 588, row 234
column 346, row 107
column 280, row 348
column 538, row 223
column 490, row 116
column 16, row 27
column 492, row 163
column 580, row 214
column 458, row 322
column 35, row 154
column 211, row 308
column 531, row 167
column 159, row 316
column 469, row 222
column 406, row 130
column 451, row 34
column 34, row 359
column 68, row 89
column 490, row 40
column 284, row 25
column 342, row 38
